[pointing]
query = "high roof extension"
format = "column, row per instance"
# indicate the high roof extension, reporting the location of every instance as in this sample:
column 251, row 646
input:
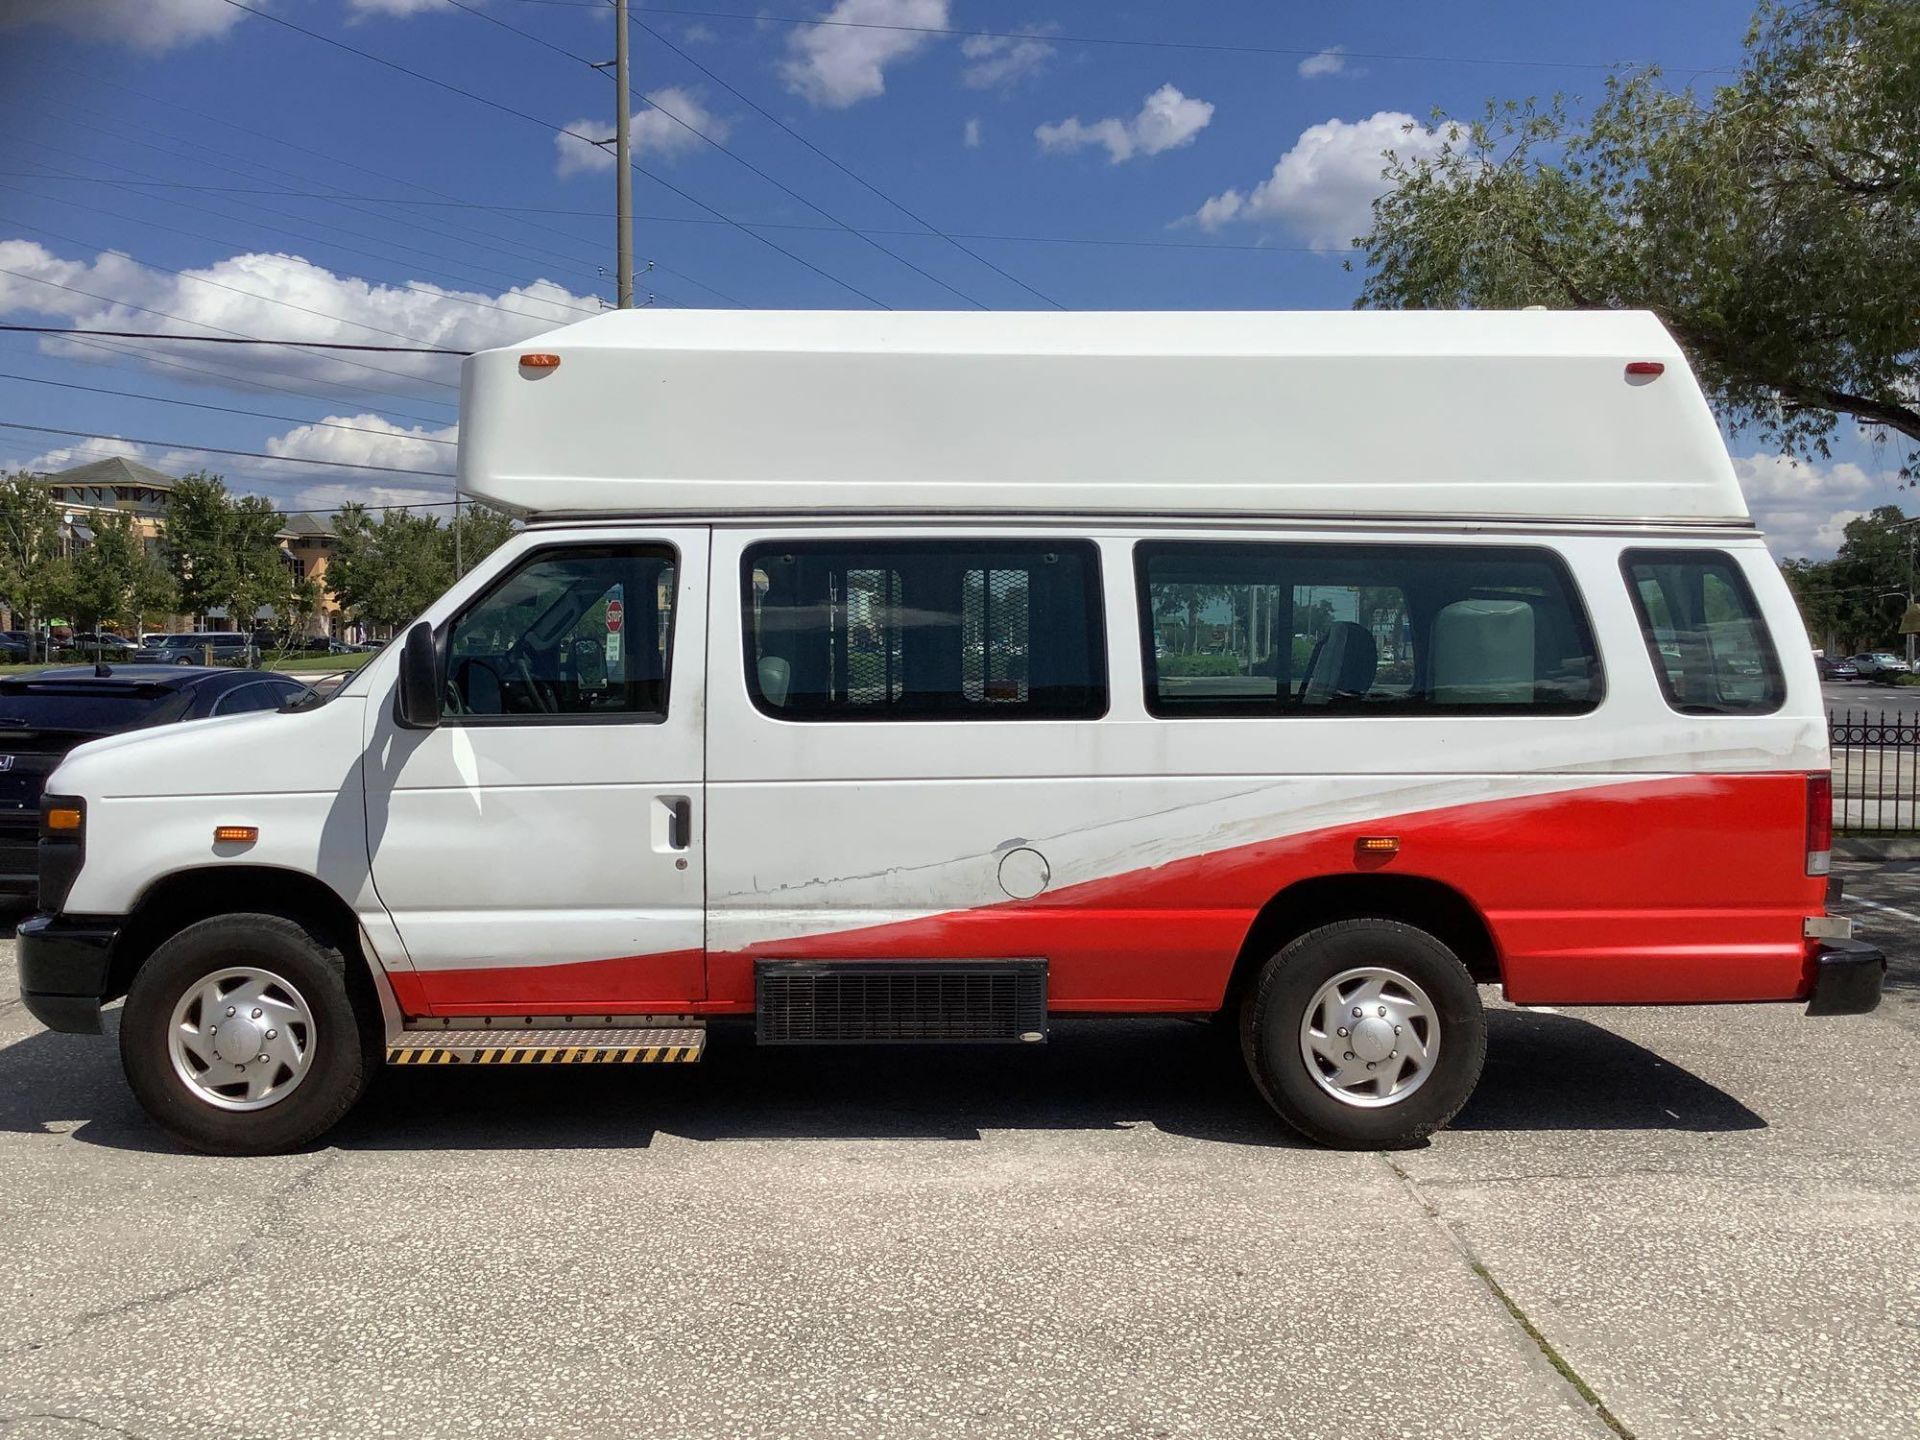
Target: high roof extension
column 1505, row 415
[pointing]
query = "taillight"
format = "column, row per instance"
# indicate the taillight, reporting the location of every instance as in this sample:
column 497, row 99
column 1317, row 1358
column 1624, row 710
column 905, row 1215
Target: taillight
column 1820, row 823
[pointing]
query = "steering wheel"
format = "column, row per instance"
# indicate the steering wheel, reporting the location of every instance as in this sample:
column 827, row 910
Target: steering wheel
column 542, row 697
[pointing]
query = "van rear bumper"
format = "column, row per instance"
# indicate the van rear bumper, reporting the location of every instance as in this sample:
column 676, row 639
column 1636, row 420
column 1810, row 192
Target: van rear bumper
column 1847, row 978
column 64, row 971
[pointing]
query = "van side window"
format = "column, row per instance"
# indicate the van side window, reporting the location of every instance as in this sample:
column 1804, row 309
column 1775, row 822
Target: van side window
column 1314, row 629
column 1704, row 633
column 571, row 632
column 925, row 630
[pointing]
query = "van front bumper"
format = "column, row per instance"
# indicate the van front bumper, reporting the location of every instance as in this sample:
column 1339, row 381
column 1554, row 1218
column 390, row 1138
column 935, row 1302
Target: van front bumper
column 65, row 965
column 1847, row 978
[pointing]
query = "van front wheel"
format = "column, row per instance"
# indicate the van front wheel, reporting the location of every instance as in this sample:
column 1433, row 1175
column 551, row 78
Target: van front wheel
column 241, row 1036
column 1364, row 1034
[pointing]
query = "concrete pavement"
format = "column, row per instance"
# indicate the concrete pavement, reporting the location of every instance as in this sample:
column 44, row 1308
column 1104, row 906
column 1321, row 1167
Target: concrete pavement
column 1658, row 1223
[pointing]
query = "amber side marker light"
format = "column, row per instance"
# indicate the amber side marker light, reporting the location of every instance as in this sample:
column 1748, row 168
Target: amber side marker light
column 235, row 834
column 64, row 819
column 539, row 362
column 1378, row 844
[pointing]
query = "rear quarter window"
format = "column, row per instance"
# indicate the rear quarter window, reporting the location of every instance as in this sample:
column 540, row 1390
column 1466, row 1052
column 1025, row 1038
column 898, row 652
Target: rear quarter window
column 1704, row 632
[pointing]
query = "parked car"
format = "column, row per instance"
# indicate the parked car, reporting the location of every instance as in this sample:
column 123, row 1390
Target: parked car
column 106, row 642
column 44, row 716
column 1880, row 664
column 195, row 648
column 1836, row 669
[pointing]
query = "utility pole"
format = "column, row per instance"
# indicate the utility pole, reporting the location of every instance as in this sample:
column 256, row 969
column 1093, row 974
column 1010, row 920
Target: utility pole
column 622, row 149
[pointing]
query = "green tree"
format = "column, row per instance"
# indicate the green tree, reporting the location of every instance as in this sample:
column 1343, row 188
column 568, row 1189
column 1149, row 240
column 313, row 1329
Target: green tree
column 34, row 574
column 386, row 569
column 1854, row 601
column 1774, row 227
column 224, row 551
column 118, row 578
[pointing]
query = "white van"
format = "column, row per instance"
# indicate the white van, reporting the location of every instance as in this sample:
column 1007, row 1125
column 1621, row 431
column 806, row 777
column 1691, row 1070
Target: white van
column 919, row 678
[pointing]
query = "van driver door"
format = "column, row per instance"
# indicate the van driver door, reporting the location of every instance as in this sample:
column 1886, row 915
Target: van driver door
column 540, row 850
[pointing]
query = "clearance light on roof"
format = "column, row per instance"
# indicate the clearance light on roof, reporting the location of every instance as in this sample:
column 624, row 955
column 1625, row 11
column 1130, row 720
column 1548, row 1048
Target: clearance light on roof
column 1647, row 368
column 537, row 361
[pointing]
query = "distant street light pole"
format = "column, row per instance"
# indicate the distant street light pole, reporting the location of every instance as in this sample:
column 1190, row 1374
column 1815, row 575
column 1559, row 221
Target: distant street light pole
column 622, row 150
column 1910, row 621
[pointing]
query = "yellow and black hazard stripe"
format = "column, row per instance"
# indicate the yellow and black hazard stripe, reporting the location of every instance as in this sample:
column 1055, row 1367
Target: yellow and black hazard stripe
column 543, row 1055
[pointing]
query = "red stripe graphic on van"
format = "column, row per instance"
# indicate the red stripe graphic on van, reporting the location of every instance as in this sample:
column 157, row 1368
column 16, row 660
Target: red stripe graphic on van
column 1644, row 892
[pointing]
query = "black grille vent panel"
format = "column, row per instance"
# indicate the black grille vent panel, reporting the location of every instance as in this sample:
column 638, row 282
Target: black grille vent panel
column 892, row 1002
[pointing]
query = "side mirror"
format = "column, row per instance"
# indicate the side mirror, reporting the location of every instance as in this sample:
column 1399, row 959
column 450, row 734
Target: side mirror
column 417, row 702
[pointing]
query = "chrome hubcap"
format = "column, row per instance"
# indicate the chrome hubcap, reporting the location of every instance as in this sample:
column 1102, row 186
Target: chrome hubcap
column 1370, row 1037
column 241, row 1038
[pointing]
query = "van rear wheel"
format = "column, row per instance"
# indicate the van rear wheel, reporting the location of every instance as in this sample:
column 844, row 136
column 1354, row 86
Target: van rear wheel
column 1364, row 1034
column 242, row 1035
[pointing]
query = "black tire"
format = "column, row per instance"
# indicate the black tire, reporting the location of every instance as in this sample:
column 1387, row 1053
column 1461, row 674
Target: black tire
column 1275, row 1005
column 343, row 1051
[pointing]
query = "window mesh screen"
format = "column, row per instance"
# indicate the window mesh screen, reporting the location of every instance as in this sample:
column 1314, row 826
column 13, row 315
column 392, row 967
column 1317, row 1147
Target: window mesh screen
column 993, row 635
column 870, row 622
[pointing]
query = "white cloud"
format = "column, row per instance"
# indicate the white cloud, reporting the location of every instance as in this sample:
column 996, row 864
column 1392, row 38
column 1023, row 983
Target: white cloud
column 361, row 8
column 971, row 134
column 1804, row 507
column 1331, row 61
column 1324, row 187
column 698, row 34
column 318, row 305
column 997, row 60
column 654, row 131
column 840, row 64
column 145, row 24
column 1167, row 120
column 83, row 452
column 372, row 441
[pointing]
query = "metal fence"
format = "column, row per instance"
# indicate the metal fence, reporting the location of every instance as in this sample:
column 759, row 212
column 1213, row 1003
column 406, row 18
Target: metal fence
column 1876, row 772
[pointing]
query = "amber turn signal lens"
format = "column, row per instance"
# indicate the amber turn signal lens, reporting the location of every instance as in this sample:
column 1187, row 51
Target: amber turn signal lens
column 235, row 834
column 63, row 819
column 539, row 362
column 1378, row 844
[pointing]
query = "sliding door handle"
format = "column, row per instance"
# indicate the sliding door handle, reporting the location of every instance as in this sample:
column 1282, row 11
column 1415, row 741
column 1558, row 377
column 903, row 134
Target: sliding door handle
column 679, row 822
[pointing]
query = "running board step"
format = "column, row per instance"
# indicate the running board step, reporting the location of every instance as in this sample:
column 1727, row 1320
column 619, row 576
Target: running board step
column 654, row 1045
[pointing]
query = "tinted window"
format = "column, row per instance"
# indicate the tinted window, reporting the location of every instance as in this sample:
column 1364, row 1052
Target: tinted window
column 925, row 630
column 1257, row 629
column 1704, row 633
column 263, row 695
column 50, row 706
column 581, row 631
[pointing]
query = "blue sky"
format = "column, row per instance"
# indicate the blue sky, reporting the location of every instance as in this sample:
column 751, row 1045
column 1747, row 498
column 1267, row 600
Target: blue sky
column 1219, row 154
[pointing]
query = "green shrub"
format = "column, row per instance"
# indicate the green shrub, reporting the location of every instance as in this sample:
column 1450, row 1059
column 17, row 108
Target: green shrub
column 1200, row 665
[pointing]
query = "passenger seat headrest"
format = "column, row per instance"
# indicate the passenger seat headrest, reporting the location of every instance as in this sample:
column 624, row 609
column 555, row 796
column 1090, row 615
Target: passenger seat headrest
column 1483, row 653
column 776, row 676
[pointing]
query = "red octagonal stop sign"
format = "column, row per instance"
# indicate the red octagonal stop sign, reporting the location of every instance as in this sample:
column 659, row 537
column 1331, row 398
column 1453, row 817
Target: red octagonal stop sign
column 616, row 616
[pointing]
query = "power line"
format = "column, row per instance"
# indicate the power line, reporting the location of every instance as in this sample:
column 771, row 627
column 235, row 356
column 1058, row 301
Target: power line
column 223, row 409
column 1289, row 51
column 220, row 285
column 732, row 155
column 433, row 291
column 695, row 220
column 212, row 339
column 558, row 130
column 335, row 195
column 843, row 169
column 218, row 450
column 241, row 382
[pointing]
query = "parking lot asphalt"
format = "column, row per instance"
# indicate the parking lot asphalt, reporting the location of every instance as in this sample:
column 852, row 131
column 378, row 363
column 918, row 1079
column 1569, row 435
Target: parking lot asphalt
column 1656, row 1223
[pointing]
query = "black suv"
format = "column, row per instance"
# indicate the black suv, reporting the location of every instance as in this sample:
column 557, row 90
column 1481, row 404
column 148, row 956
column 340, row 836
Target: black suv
column 44, row 716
